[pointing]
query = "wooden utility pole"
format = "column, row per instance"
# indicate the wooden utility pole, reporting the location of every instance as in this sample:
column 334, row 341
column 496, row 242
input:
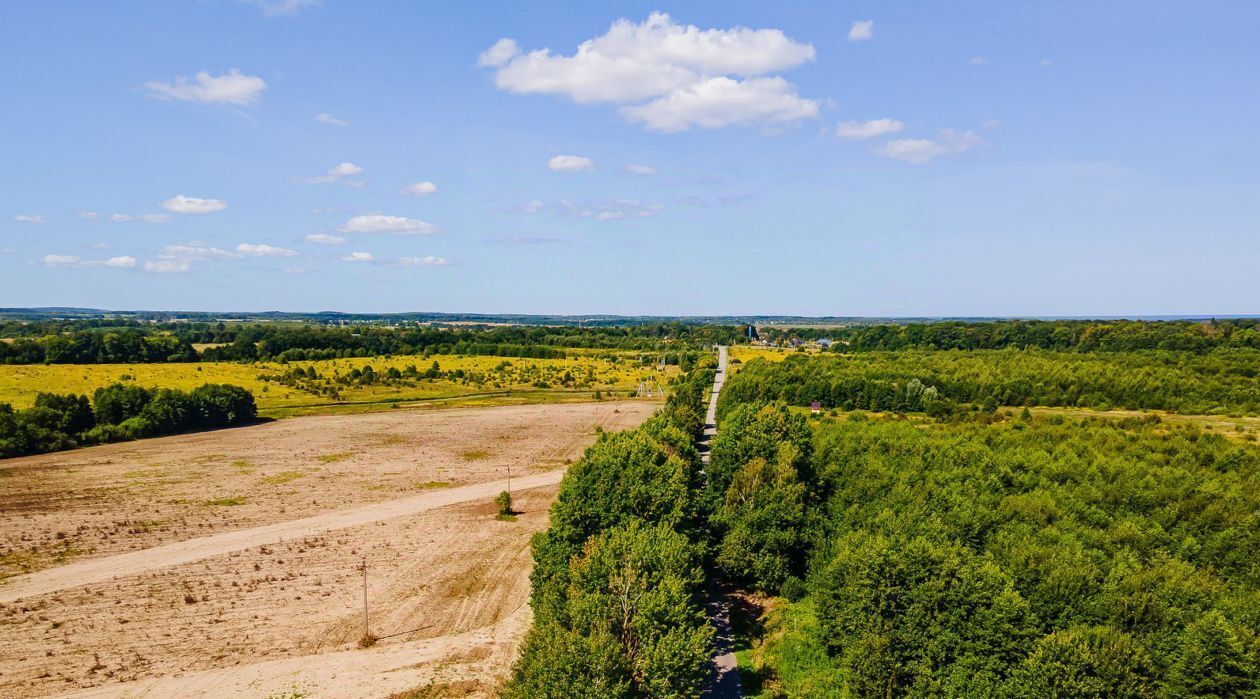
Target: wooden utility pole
column 366, row 633
column 509, row 489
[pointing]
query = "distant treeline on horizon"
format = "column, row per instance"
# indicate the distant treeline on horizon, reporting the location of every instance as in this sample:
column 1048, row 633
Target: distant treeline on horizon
column 130, row 340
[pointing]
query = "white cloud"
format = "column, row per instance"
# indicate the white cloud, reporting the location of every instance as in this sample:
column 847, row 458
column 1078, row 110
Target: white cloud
column 7, row 251
column 641, row 169
column 264, row 250
column 181, row 204
column 666, row 75
column 922, row 150
column 344, row 170
column 570, row 163
column 99, row 246
column 868, row 129
column 147, row 218
column 503, row 51
column 381, row 223
column 359, row 257
column 334, row 173
column 232, row 87
column 419, row 189
column 62, row 261
column 30, row 218
column 862, row 30
column 282, row 8
column 609, row 215
column 427, row 261
column 76, row 262
column 89, row 215
column 1046, row 63
column 532, row 207
column 180, row 258
column 722, row 101
column 326, row 118
column 324, row 239
column 195, row 250
column 978, row 60
column 167, row 266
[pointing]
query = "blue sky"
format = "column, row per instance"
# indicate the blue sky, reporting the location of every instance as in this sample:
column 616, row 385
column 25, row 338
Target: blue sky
column 951, row 158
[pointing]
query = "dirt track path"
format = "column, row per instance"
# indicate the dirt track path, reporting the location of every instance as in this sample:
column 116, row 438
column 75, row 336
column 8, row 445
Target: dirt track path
column 379, row 671
column 122, row 565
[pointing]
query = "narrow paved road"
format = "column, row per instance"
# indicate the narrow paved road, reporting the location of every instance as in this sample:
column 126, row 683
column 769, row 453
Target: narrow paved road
column 726, row 684
column 101, row 569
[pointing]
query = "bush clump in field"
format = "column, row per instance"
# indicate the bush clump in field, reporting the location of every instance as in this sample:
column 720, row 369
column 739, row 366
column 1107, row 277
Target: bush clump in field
column 504, row 503
column 119, row 412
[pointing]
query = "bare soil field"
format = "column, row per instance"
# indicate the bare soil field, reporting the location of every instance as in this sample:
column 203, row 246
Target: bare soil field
column 286, row 618
column 56, row 508
column 149, row 583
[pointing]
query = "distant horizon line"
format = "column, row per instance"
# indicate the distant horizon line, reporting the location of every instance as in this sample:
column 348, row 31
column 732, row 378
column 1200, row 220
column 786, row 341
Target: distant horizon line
column 770, row 318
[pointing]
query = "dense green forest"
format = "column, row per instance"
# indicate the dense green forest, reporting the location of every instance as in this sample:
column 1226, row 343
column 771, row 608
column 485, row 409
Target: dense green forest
column 959, row 553
column 97, row 341
column 1080, row 335
column 119, row 412
column 1222, row 381
column 1027, row 558
column 619, row 577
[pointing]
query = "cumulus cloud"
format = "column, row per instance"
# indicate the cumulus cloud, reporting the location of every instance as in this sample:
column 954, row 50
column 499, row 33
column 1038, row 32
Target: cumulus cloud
column 334, row 173
column 62, row 261
column 89, row 215
column 282, row 8
column 233, row 87
column 503, row 51
column 641, row 170
column 426, row 261
column 146, row 218
column 324, row 239
column 76, row 262
column 195, row 250
column 862, row 30
column 264, row 250
column 922, row 150
column 181, row 204
column 570, row 163
column 868, row 129
column 326, row 118
column 667, row 76
column 358, row 257
column 167, row 266
column 180, row 258
column 722, row 101
column 30, row 218
column 419, row 189
column 381, row 223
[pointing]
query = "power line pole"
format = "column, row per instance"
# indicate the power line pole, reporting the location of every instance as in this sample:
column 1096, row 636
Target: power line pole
column 366, row 633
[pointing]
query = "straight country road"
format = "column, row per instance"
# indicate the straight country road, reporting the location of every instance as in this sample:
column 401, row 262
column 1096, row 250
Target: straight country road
column 726, row 684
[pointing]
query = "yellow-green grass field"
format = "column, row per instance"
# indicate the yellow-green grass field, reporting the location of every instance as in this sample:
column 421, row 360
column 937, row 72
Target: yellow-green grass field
column 747, row 353
column 488, row 381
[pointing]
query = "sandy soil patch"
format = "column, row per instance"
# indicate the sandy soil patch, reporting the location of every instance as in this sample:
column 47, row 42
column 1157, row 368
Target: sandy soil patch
column 282, row 618
column 93, row 502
